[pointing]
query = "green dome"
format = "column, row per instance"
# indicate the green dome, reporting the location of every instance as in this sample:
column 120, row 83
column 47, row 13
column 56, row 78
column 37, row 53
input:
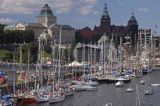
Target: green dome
column 46, row 11
column 132, row 17
column 132, row 20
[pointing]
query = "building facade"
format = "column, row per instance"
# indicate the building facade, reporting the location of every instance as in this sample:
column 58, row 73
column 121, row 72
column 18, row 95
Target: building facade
column 47, row 21
column 112, row 31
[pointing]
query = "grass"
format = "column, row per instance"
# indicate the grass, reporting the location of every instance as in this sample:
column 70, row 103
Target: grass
column 3, row 53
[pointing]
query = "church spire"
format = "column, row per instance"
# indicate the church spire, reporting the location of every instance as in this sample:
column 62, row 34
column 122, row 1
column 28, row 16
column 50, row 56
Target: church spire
column 132, row 20
column 105, row 11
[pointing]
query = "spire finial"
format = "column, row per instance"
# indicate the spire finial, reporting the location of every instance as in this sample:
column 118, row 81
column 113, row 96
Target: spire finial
column 105, row 10
column 132, row 13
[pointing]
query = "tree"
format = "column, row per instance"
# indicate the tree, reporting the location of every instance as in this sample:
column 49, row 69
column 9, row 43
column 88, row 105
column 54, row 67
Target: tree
column 32, row 47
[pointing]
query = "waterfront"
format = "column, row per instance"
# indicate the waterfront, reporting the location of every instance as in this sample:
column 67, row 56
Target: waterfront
column 108, row 93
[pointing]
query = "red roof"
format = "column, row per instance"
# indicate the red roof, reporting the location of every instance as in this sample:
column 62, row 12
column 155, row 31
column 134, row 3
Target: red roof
column 86, row 32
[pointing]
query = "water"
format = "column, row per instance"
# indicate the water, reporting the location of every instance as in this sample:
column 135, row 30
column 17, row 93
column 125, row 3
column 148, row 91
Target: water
column 108, row 93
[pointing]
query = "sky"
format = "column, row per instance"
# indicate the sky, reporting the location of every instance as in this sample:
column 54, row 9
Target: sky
column 82, row 13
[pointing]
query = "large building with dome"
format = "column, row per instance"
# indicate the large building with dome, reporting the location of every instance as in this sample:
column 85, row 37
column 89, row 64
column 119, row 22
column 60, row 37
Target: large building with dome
column 47, row 21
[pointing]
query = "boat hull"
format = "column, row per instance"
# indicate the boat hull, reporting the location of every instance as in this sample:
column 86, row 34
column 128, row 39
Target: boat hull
column 106, row 80
column 41, row 99
column 56, row 99
column 69, row 93
column 27, row 100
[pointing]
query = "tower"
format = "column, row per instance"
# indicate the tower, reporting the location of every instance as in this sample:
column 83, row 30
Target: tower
column 133, row 30
column 46, row 16
column 105, row 21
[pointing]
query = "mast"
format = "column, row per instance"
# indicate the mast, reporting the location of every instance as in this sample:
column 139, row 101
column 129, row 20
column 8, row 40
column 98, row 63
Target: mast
column 27, row 73
column 59, row 62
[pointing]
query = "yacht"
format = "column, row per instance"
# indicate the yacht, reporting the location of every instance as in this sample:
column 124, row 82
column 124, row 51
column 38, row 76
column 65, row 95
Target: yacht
column 108, row 104
column 142, row 82
column 149, row 91
column 56, row 99
column 155, row 85
column 130, row 89
column 119, row 84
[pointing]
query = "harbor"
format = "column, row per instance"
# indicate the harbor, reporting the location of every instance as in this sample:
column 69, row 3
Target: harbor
column 108, row 93
column 54, row 63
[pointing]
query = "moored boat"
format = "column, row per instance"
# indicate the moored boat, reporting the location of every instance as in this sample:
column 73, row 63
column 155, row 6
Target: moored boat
column 142, row 82
column 7, row 100
column 56, row 99
column 130, row 89
column 119, row 84
column 27, row 100
column 149, row 92
column 155, row 85
column 42, row 98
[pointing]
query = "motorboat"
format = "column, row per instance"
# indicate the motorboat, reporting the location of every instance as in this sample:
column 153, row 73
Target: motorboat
column 155, row 85
column 149, row 92
column 56, row 99
column 130, row 89
column 142, row 82
column 108, row 104
column 119, row 84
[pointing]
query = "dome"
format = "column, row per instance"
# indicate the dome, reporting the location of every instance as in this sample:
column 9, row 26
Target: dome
column 132, row 20
column 46, row 11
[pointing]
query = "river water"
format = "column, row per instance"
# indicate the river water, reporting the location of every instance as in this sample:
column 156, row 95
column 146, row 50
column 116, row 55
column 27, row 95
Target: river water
column 108, row 93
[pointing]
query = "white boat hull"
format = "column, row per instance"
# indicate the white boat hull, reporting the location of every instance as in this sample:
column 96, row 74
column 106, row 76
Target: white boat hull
column 119, row 84
column 56, row 99
column 130, row 90
column 41, row 99
column 69, row 93
column 155, row 85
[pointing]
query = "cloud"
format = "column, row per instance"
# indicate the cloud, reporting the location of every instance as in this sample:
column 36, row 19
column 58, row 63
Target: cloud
column 85, row 10
column 143, row 9
column 32, row 6
column 6, row 21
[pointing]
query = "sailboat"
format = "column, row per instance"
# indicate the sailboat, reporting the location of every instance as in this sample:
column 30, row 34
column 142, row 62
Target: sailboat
column 40, row 94
column 56, row 94
column 24, row 96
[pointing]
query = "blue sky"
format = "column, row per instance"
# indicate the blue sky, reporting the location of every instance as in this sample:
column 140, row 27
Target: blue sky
column 82, row 13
